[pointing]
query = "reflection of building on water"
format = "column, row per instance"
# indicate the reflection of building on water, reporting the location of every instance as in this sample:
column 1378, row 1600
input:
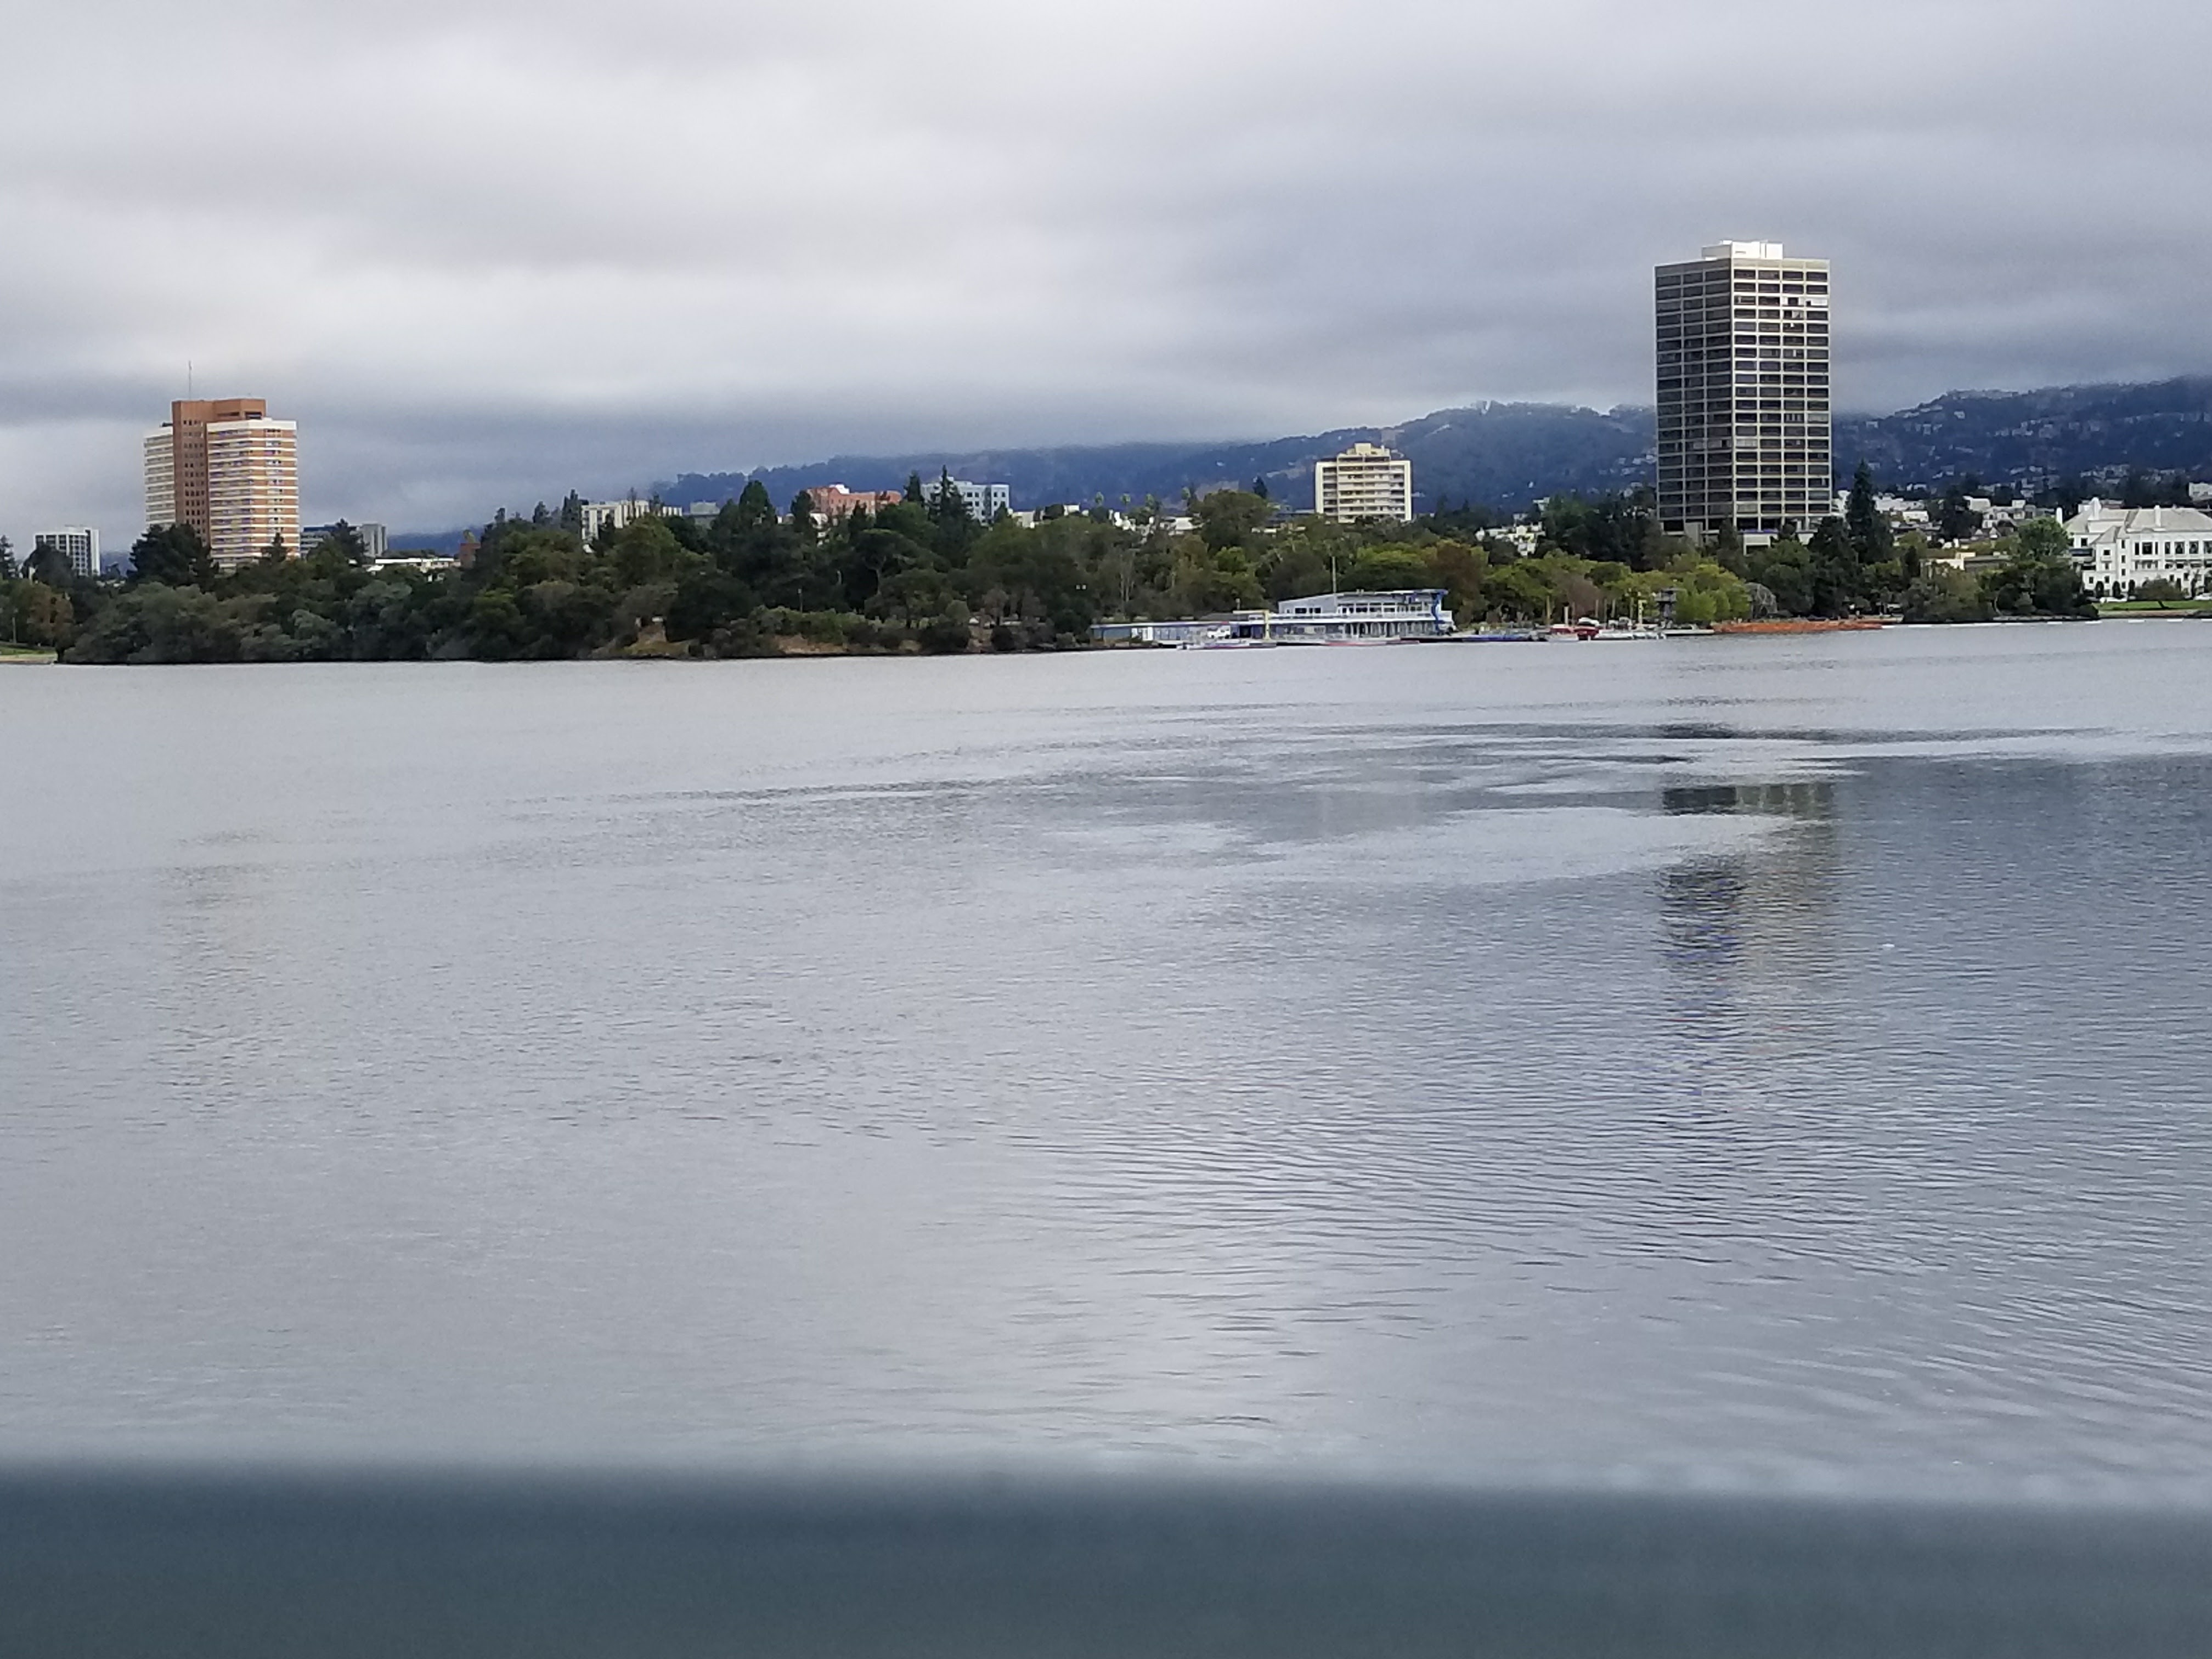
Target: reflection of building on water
column 1747, row 935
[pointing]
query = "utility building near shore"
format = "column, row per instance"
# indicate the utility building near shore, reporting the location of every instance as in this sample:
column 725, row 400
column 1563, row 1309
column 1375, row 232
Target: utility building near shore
column 1364, row 482
column 1744, row 432
column 223, row 466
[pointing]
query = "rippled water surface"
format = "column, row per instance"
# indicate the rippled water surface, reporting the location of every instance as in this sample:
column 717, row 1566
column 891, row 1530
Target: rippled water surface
column 1771, row 1062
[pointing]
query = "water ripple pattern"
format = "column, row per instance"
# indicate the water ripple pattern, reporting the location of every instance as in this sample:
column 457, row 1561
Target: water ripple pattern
column 1726, row 1064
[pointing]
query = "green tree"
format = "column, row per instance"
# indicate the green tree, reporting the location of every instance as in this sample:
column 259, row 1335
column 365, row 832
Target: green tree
column 158, row 623
column 38, row 614
column 172, row 555
column 343, row 543
column 1727, row 548
column 1520, row 591
column 1615, row 528
column 49, row 565
column 1388, row 569
column 1230, row 518
column 1955, row 521
column 2043, row 538
column 1872, row 542
column 706, row 600
column 754, row 510
column 1458, row 568
column 1833, row 567
column 948, row 633
column 2039, row 577
column 1943, row 595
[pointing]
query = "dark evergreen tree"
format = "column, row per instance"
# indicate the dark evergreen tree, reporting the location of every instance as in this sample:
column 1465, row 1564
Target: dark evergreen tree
column 343, row 545
column 1871, row 541
column 172, row 555
column 1955, row 521
column 49, row 565
column 755, row 510
column 1837, row 582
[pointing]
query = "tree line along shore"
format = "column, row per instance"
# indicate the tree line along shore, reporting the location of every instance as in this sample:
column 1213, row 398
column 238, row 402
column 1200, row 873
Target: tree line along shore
column 922, row 576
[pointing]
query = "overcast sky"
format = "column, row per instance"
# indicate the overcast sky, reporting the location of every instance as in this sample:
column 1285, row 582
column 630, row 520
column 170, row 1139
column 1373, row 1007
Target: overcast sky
column 485, row 250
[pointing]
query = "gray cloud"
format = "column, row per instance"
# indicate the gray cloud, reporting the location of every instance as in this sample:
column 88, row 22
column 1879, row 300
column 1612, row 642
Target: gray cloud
column 484, row 250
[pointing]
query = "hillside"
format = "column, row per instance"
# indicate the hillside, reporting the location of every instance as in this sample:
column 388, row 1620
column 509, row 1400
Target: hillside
column 1503, row 454
column 2034, row 440
column 1509, row 455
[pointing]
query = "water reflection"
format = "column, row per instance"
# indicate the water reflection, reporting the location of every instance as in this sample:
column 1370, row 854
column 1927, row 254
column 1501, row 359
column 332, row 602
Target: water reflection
column 1747, row 936
column 1420, row 1063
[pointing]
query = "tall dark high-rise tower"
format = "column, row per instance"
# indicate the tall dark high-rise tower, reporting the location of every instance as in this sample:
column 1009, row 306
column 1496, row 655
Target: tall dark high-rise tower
column 1745, row 430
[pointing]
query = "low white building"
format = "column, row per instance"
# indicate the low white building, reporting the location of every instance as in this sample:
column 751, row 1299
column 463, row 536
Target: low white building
column 606, row 515
column 1902, row 511
column 1412, row 613
column 1364, row 482
column 1419, row 613
column 78, row 543
column 2118, row 548
column 373, row 539
column 985, row 501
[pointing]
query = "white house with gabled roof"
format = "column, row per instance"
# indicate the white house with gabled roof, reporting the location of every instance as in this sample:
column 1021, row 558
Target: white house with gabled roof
column 2118, row 548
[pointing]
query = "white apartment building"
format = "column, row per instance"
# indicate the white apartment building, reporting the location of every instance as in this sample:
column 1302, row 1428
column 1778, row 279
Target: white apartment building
column 78, row 543
column 374, row 539
column 985, row 501
column 253, row 489
column 161, row 468
column 1364, row 482
column 2117, row 549
column 604, row 515
column 1745, row 431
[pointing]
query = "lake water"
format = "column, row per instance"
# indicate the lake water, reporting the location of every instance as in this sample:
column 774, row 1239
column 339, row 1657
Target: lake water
column 1740, row 1064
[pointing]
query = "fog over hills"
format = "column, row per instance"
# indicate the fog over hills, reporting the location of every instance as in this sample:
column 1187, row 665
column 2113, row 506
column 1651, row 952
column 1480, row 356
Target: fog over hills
column 1509, row 455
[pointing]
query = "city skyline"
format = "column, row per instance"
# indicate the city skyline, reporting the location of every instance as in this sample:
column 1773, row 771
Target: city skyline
column 516, row 271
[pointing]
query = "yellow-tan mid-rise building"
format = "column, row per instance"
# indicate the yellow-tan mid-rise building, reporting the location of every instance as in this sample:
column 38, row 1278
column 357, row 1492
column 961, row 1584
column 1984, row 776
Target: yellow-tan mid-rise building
column 223, row 466
column 1365, row 481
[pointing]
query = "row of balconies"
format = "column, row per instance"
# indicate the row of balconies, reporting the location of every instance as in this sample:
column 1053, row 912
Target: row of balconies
column 1797, row 448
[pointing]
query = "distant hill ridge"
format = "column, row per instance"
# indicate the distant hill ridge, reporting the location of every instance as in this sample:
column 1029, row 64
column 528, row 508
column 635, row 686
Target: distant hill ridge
column 1509, row 455
column 1505, row 454
column 2035, row 439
